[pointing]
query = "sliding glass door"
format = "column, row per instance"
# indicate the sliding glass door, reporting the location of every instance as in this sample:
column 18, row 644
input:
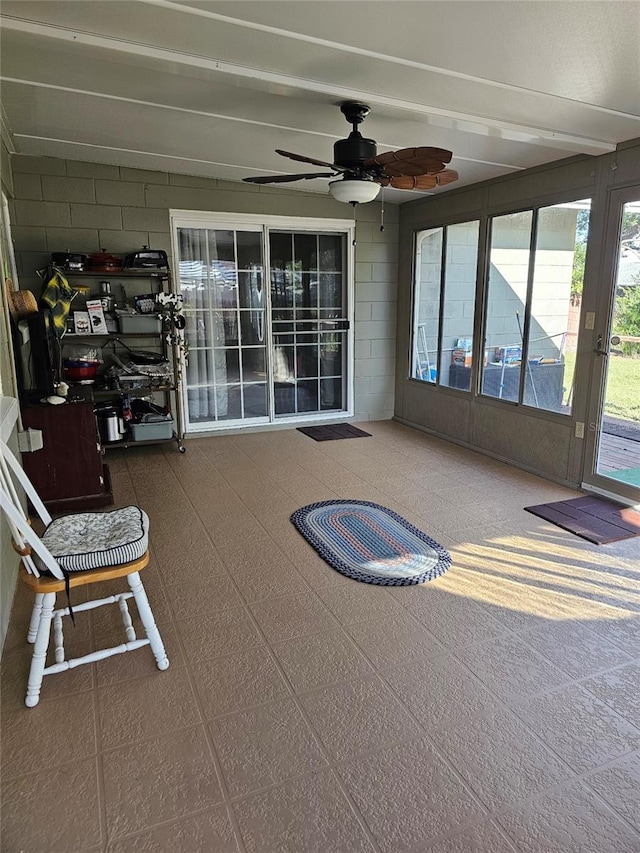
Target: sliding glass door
column 309, row 322
column 267, row 323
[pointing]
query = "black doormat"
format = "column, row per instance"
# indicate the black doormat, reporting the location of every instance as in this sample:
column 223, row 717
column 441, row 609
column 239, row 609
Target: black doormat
column 333, row 432
column 596, row 519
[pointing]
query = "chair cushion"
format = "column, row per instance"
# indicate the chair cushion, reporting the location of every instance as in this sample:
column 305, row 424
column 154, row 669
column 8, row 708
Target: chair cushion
column 91, row 540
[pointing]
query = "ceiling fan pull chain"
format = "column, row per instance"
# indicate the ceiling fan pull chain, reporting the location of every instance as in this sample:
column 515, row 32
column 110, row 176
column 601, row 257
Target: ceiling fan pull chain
column 354, row 204
column 382, row 210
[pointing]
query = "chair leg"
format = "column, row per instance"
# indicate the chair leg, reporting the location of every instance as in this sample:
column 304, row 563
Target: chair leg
column 35, row 618
column 146, row 616
column 38, row 660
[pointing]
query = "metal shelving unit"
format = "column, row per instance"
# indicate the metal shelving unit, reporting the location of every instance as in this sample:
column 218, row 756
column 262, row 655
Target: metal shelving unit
column 172, row 392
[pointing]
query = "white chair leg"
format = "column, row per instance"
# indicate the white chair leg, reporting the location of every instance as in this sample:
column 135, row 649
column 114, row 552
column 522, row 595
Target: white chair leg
column 148, row 622
column 40, row 650
column 35, row 618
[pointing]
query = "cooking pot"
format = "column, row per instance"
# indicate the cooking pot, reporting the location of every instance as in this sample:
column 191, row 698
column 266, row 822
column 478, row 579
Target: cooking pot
column 79, row 370
column 104, row 262
column 72, row 261
column 147, row 258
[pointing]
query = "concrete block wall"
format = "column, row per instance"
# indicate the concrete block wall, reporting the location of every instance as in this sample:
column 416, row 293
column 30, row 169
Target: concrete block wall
column 85, row 207
column 6, row 175
column 9, row 560
column 376, row 289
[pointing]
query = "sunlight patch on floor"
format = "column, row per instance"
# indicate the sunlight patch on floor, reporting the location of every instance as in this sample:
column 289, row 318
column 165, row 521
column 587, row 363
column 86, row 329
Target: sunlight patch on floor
column 551, row 580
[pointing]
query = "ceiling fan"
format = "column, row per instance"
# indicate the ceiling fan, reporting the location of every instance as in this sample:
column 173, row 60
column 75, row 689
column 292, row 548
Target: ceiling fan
column 363, row 171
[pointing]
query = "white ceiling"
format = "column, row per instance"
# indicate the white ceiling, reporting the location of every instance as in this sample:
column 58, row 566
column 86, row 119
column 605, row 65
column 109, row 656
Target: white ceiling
column 212, row 88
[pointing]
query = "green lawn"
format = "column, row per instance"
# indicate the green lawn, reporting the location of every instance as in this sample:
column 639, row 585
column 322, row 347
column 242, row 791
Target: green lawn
column 623, row 386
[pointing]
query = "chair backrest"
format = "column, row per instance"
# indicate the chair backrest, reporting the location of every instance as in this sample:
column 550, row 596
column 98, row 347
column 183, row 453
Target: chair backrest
column 25, row 540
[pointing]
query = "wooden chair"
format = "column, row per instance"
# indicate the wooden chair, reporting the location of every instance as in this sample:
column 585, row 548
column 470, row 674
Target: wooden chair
column 76, row 550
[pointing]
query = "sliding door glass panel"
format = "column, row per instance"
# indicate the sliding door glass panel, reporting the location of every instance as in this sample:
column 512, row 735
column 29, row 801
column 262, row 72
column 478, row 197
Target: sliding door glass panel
column 428, row 274
column 506, row 301
column 308, row 304
column 561, row 239
column 458, row 305
column 618, row 453
column 222, row 282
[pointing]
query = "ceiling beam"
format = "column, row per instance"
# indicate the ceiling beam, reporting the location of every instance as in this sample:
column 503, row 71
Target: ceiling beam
column 109, row 97
column 465, row 122
column 103, row 147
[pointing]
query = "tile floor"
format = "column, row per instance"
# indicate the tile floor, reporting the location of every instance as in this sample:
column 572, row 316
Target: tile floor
column 496, row 709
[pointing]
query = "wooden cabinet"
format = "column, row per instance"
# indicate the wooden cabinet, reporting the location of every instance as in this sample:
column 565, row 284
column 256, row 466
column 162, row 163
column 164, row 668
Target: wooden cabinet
column 68, row 473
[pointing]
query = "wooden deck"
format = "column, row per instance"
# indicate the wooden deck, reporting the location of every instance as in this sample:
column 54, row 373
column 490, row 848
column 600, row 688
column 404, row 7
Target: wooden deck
column 618, row 454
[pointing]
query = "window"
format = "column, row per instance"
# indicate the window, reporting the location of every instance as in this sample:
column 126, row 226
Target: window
column 536, row 262
column 444, row 304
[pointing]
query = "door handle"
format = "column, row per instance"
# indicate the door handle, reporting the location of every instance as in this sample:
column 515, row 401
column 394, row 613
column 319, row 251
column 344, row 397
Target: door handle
column 599, row 350
column 334, row 325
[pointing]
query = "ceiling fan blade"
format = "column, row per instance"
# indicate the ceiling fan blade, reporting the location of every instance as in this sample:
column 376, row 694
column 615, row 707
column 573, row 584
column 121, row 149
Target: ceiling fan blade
column 417, row 182
column 440, row 154
column 411, row 161
column 301, row 158
column 284, row 179
column 446, row 176
column 408, row 182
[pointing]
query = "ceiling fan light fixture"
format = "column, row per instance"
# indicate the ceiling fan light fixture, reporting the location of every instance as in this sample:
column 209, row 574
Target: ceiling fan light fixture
column 354, row 191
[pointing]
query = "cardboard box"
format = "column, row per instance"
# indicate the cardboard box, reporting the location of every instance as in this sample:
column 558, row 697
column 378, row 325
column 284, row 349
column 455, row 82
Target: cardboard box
column 509, row 355
column 461, row 356
column 96, row 317
column 81, row 323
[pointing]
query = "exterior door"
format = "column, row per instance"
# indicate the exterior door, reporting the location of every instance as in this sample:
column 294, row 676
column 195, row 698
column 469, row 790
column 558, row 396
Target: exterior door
column 613, row 444
column 221, row 278
column 309, row 322
column 267, row 324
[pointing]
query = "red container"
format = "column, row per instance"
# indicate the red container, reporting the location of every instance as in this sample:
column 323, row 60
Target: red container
column 76, row 371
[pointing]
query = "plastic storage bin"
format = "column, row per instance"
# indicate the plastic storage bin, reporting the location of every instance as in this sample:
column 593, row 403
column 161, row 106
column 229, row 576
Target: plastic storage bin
column 151, row 432
column 137, row 324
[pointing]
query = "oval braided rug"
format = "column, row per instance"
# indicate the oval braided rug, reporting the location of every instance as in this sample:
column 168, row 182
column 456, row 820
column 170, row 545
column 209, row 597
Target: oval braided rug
column 371, row 543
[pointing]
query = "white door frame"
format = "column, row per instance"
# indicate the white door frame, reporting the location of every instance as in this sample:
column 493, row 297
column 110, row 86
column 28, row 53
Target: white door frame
column 240, row 221
column 593, row 481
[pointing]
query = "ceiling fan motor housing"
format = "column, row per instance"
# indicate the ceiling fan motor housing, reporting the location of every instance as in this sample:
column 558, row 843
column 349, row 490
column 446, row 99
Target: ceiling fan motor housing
column 353, row 151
